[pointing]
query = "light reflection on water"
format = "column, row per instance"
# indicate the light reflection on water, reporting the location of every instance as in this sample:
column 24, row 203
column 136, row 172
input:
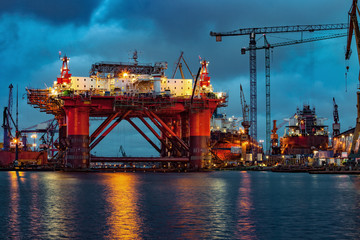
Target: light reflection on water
column 215, row 205
column 245, row 225
column 123, row 218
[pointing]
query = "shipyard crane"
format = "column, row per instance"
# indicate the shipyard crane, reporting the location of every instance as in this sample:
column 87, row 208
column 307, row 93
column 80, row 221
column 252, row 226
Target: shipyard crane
column 7, row 119
column 275, row 148
column 251, row 32
column 179, row 66
column 245, row 110
column 336, row 124
column 47, row 129
column 267, row 47
column 354, row 29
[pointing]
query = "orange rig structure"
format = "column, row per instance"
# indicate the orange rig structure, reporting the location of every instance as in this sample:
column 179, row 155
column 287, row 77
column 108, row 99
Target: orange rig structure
column 180, row 109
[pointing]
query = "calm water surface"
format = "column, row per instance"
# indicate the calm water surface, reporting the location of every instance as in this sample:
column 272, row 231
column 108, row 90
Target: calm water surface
column 214, row 205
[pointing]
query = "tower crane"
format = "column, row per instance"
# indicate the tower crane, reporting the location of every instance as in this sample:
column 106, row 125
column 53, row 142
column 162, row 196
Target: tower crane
column 251, row 32
column 354, row 28
column 267, row 47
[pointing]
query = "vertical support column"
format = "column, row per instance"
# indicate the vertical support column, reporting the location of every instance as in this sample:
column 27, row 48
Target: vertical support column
column 78, row 135
column 165, row 151
column 62, row 132
column 185, row 128
column 176, row 124
column 199, row 138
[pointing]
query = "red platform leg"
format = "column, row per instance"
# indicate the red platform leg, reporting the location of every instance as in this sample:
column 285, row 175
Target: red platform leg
column 78, row 135
column 199, row 138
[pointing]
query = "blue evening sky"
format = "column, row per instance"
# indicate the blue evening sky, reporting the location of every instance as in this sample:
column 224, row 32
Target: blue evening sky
column 88, row 31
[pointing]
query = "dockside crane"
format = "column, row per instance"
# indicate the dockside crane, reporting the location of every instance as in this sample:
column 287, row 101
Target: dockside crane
column 251, row 32
column 267, row 46
column 7, row 117
column 354, row 29
column 245, row 111
column 275, row 148
column 336, row 124
column 245, row 138
column 178, row 65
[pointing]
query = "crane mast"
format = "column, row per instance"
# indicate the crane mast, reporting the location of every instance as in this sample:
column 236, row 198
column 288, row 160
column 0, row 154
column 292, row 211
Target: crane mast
column 267, row 97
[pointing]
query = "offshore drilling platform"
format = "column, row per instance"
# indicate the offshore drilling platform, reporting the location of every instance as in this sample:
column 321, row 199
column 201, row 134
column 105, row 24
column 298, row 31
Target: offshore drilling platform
column 180, row 109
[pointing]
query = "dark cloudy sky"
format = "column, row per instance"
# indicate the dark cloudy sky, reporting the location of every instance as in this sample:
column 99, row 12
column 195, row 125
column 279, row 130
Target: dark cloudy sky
column 33, row 32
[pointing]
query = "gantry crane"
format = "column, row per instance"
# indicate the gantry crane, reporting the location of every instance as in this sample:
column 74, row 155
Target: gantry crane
column 267, row 47
column 252, row 46
column 354, row 28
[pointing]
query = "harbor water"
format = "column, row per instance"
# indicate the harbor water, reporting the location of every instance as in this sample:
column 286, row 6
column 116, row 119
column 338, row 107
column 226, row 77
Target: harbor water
column 207, row 205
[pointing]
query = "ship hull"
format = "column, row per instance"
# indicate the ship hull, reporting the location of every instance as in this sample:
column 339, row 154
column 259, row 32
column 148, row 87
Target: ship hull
column 303, row 144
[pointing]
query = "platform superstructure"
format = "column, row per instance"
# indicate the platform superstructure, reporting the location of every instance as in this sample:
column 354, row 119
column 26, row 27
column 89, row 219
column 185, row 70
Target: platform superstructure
column 179, row 108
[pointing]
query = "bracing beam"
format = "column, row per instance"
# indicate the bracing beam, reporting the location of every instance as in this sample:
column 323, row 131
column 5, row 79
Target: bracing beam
column 103, row 126
column 164, row 131
column 96, row 142
column 170, row 131
column 144, row 135
column 154, row 132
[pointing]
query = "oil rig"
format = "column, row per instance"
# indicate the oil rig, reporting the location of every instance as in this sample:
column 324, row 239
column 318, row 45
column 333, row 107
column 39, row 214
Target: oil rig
column 180, row 109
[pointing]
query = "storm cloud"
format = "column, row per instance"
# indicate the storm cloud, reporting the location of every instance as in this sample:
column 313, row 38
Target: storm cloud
column 33, row 32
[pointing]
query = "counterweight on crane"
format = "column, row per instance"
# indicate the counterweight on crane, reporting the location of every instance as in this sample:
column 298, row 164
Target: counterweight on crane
column 252, row 48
